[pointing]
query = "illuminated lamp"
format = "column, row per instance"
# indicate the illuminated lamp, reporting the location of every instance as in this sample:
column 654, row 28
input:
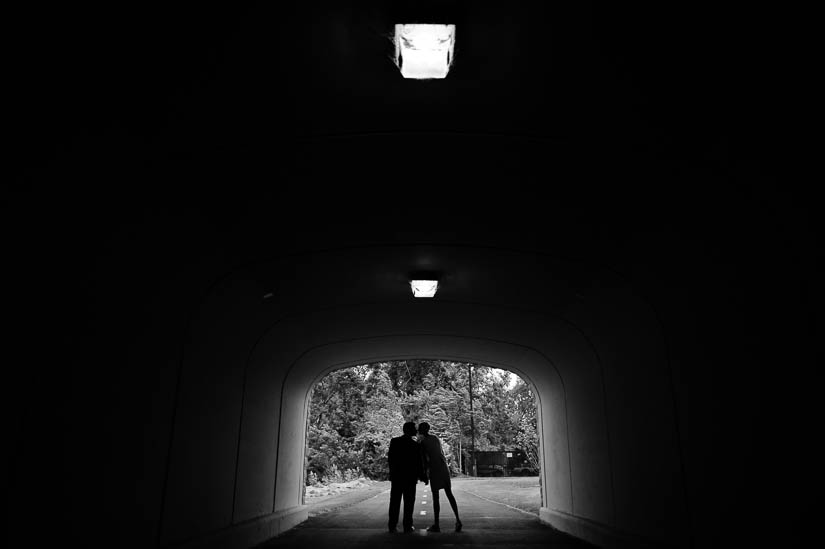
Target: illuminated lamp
column 424, row 51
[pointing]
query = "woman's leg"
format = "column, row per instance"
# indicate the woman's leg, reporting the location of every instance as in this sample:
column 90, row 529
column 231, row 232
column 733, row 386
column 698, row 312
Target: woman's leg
column 449, row 491
column 451, row 498
column 436, row 507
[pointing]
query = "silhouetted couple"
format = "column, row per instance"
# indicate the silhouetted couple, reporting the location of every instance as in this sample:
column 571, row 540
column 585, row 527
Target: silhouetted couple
column 413, row 458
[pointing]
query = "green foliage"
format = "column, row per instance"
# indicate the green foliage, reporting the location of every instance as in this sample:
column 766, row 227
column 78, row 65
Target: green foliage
column 336, row 475
column 355, row 412
column 381, row 420
column 523, row 410
column 327, row 451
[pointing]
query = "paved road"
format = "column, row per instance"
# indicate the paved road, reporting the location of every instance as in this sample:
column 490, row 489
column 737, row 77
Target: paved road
column 486, row 523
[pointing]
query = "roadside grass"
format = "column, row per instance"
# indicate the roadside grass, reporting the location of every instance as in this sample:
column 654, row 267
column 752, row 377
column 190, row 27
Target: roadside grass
column 323, row 499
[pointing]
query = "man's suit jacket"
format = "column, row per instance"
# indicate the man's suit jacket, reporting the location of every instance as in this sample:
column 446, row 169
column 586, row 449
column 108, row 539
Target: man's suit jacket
column 406, row 459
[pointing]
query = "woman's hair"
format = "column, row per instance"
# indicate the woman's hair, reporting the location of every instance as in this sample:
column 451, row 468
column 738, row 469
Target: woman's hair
column 424, row 428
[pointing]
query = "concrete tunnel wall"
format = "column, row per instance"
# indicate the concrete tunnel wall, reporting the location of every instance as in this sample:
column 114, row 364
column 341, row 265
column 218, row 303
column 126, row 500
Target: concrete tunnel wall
column 610, row 452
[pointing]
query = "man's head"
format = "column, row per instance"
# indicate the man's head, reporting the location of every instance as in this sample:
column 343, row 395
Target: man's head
column 409, row 428
column 424, row 428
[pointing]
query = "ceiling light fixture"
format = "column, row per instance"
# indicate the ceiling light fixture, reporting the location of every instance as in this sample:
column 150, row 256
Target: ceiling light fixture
column 424, row 51
column 424, row 288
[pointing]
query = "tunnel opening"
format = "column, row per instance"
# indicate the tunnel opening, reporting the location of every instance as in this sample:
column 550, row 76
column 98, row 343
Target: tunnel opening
column 486, row 419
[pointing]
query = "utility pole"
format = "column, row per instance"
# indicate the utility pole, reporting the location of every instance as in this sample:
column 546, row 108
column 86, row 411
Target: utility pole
column 460, row 457
column 472, row 423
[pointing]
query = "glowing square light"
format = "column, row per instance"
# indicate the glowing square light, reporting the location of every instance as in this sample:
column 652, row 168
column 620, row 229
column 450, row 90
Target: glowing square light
column 424, row 51
column 424, row 288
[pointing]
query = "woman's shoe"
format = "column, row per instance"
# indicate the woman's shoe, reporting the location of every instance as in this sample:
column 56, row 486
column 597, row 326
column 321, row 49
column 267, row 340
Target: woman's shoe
column 458, row 526
column 434, row 528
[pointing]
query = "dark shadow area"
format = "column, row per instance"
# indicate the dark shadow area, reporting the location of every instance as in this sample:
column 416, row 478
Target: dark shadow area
column 160, row 150
column 537, row 536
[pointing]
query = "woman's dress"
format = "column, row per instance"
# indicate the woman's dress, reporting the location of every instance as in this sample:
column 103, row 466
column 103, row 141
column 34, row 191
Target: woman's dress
column 436, row 462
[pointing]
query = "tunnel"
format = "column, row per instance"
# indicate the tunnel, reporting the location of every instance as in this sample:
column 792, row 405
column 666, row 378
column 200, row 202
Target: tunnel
column 222, row 421
column 597, row 412
column 216, row 207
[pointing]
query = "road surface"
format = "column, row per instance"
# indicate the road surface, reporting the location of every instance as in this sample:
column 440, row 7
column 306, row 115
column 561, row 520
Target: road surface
column 487, row 524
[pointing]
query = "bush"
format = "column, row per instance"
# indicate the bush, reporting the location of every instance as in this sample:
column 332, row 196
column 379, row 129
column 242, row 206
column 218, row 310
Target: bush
column 328, row 454
column 333, row 474
column 336, row 475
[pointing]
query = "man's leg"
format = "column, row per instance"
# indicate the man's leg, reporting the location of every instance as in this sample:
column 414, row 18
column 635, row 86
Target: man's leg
column 409, row 505
column 396, row 491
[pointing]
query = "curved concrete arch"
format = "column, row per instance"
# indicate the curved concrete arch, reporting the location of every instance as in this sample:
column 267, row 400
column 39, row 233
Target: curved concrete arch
column 485, row 361
column 460, row 349
column 409, row 323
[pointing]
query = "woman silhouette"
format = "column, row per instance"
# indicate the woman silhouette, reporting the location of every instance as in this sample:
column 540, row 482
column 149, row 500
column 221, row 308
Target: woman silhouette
column 438, row 474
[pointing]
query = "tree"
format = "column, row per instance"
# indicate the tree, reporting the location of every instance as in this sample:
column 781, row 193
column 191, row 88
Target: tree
column 381, row 421
column 355, row 411
column 524, row 414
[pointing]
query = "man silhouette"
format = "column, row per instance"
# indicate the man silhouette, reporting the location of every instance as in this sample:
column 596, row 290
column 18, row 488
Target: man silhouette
column 406, row 461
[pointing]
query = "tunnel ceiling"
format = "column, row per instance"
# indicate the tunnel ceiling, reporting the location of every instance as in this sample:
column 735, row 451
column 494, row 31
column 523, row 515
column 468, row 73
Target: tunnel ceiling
column 565, row 69
column 619, row 102
column 586, row 132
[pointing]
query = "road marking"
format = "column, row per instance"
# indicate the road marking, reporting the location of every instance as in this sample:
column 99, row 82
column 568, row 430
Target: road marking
column 503, row 504
column 423, row 502
column 423, row 513
column 492, row 517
